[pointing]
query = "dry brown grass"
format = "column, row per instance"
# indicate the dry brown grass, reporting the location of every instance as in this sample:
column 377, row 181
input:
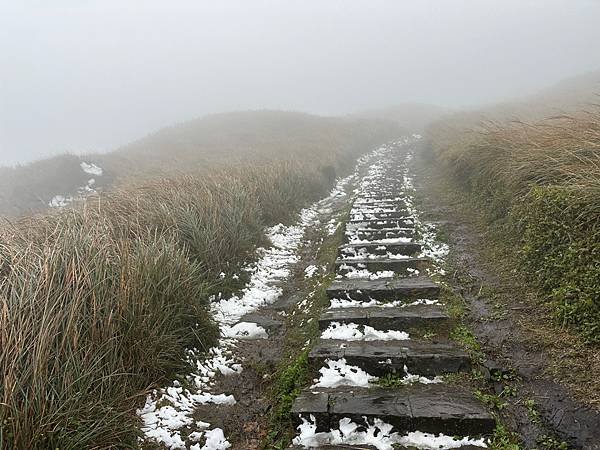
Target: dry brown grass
column 543, row 180
column 100, row 302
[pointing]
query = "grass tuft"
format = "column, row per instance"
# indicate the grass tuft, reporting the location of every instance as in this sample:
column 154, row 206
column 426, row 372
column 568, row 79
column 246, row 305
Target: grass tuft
column 540, row 183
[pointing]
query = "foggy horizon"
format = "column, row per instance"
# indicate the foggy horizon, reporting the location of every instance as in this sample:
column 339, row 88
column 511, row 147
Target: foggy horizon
column 91, row 76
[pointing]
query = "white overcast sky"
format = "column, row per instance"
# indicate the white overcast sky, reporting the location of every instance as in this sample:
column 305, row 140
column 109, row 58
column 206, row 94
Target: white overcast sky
column 89, row 75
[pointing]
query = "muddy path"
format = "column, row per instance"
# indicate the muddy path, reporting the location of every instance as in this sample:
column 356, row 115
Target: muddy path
column 510, row 327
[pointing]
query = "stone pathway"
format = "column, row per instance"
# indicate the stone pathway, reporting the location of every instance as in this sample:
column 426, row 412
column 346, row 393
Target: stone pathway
column 384, row 348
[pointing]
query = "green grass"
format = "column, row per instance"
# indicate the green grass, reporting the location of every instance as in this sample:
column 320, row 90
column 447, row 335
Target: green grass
column 503, row 439
column 539, row 183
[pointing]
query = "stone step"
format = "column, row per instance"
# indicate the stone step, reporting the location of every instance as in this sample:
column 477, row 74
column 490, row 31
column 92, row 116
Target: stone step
column 394, row 318
column 370, row 447
column 342, row 447
column 381, row 358
column 374, row 234
column 383, row 194
column 386, row 183
column 375, row 204
column 398, row 265
column 379, row 216
column 407, row 222
column 432, row 408
column 384, row 290
column 372, row 210
column 379, row 249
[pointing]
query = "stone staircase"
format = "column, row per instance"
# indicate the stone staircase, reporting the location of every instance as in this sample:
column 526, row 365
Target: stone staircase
column 385, row 323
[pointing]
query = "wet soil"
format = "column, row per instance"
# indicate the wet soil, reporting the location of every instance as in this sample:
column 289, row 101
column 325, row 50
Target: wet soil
column 543, row 411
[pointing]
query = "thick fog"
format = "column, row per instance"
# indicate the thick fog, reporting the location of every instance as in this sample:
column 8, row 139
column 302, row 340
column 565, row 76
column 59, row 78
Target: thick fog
column 89, row 75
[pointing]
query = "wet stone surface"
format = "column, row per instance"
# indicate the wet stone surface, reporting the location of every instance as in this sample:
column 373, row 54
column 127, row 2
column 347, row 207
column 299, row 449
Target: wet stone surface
column 430, row 408
column 390, row 290
column 380, row 249
column 381, row 318
column 381, row 358
column 376, row 265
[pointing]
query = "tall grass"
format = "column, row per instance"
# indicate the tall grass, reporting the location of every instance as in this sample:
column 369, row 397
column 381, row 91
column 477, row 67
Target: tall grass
column 215, row 142
column 542, row 180
column 99, row 303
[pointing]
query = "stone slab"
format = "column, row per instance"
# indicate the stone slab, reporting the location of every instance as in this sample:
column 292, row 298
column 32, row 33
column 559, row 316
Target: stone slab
column 434, row 408
column 381, row 358
column 362, row 224
column 380, row 249
column 373, row 235
column 383, row 318
column 384, row 289
column 398, row 266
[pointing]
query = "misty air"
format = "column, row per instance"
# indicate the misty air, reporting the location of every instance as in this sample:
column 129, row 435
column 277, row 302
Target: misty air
column 259, row 224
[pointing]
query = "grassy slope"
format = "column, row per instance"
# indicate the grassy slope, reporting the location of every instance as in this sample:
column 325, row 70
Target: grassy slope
column 539, row 180
column 216, row 141
column 100, row 302
column 412, row 116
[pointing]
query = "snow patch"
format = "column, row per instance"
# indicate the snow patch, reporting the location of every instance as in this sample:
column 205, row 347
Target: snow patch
column 380, row 435
column 338, row 373
column 310, row 271
column 91, row 169
column 244, row 330
column 356, row 332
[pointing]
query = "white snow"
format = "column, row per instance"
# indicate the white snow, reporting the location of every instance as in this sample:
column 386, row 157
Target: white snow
column 244, row 330
column 91, row 169
column 356, row 332
column 364, row 274
column 310, row 271
column 379, row 434
column 215, row 440
column 60, row 201
column 338, row 373
column 335, row 303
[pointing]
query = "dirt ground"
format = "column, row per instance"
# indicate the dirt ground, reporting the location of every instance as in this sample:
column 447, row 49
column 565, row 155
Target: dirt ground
column 554, row 378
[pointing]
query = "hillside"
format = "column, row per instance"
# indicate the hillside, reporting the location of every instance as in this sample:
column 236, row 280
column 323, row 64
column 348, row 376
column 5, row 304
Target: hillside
column 103, row 301
column 207, row 143
column 411, row 116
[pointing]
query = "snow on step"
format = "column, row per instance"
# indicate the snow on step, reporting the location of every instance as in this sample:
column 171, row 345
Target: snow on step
column 429, row 408
column 390, row 202
column 384, row 289
column 397, row 265
column 357, row 332
column 390, row 357
column 381, row 236
column 388, row 215
column 391, row 318
column 338, row 374
column 349, row 272
column 342, row 303
column 377, row 208
column 374, row 249
column 415, row 440
column 378, row 436
column 366, row 223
